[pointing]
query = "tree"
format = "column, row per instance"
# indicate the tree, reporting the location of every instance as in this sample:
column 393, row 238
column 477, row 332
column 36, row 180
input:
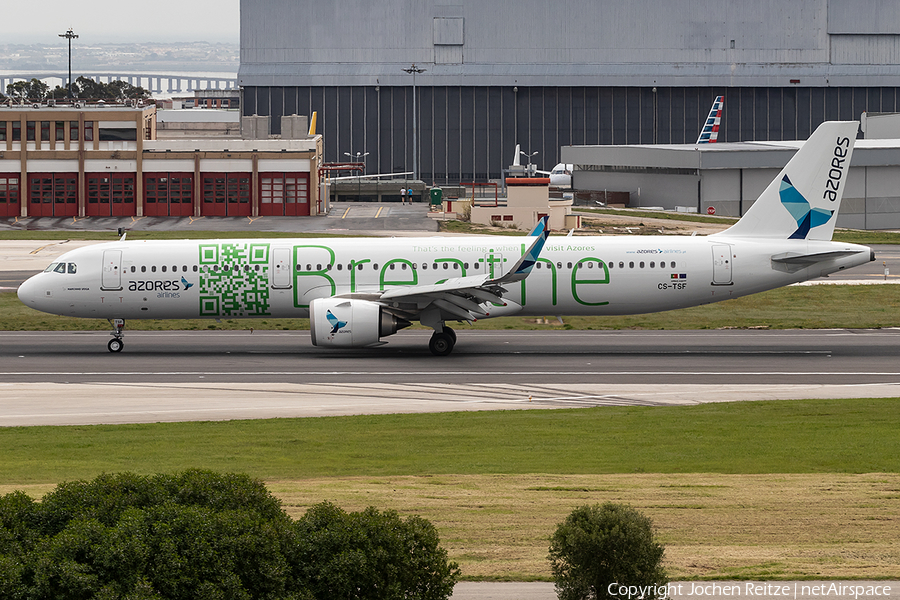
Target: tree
column 371, row 555
column 28, row 90
column 597, row 546
column 201, row 534
column 86, row 88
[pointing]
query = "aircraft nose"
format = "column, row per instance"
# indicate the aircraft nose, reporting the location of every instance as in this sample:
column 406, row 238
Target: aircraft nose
column 30, row 293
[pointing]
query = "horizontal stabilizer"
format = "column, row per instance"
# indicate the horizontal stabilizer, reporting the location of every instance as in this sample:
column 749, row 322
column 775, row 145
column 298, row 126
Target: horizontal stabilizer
column 792, row 258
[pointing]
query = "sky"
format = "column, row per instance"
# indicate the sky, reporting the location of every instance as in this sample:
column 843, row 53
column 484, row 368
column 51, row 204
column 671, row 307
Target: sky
column 112, row 21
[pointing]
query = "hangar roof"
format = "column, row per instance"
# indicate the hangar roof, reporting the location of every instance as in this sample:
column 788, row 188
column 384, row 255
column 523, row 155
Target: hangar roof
column 728, row 155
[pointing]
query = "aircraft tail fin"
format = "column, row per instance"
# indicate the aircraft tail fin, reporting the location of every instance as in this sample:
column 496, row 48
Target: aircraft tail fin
column 803, row 201
column 312, row 124
column 710, row 132
column 515, row 161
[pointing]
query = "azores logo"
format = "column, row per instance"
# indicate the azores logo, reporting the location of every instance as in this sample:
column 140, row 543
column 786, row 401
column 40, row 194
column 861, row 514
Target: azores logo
column 187, row 285
column 798, row 206
column 336, row 324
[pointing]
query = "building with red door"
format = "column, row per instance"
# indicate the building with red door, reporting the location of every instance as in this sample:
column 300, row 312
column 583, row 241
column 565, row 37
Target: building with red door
column 102, row 160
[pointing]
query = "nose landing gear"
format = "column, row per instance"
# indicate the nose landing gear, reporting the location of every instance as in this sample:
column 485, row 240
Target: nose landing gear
column 116, row 344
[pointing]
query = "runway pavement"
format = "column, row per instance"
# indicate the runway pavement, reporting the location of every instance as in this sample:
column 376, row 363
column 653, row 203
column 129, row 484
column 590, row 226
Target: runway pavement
column 70, row 377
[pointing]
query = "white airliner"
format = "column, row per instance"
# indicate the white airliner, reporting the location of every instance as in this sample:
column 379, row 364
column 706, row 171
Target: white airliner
column 358, row 291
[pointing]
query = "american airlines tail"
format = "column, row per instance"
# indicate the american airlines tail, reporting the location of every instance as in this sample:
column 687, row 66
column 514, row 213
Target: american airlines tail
column 710, row 132
column 802, row 203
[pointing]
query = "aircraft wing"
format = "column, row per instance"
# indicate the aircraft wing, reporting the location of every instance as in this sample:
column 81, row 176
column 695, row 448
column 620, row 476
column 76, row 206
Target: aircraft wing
column 467, row 298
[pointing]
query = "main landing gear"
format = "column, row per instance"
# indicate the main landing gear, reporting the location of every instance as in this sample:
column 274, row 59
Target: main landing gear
column 442, row 342
column 116, row 344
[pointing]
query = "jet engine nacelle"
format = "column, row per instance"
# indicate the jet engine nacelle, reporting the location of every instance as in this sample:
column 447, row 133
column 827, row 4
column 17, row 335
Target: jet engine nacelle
column 343, row 323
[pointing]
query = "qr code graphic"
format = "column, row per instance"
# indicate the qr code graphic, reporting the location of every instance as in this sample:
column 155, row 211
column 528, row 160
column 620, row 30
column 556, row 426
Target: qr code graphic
column 234, row 280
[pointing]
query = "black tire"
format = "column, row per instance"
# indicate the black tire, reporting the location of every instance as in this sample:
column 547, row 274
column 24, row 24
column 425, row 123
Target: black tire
column 451, row 333
column 115, row 345
column 441, row 344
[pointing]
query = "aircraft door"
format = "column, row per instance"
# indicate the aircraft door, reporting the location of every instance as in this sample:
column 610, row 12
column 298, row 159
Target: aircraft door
column 281, row 268
column 494, row 264
column 111, row 276
column 722, row 264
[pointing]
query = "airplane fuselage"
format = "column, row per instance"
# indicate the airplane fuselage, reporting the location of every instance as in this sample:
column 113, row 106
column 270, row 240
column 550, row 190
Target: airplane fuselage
column 255, row 278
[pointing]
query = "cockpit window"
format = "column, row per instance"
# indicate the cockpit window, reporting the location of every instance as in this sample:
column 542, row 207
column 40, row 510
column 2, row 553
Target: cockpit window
column 60, row 268
column 72, row 268
column 51, row 267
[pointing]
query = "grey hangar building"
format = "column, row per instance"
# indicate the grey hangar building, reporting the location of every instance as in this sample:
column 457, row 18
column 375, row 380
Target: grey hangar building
column 560, row 77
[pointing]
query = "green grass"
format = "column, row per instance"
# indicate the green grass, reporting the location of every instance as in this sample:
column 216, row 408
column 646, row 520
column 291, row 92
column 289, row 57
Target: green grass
column 820, row 436
column 799, row 307
column 652, row 214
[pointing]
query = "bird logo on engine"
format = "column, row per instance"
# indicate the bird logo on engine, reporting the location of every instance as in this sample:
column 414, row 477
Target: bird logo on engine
column 336, row 323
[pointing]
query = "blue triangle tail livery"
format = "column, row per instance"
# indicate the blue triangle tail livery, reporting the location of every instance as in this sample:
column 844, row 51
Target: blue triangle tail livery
column 356, row 294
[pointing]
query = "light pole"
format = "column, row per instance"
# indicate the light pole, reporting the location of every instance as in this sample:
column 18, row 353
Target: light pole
column 414, row 70
column 69, row 35
column 358, row 155
column 529, row 157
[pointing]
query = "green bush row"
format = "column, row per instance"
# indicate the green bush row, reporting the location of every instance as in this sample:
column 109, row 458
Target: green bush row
column 203, row 535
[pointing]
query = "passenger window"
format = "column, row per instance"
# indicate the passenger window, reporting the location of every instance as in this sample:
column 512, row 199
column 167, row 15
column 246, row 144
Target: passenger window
column 309, row 267
column 374, row 266
column 631, row 265
column 164, row 268
column 559, row 265
column 174, row 268
column 195, row 268
column 652, row 264
column 392, row 266
column 184, row 268
column 340, row 267
column 621, row 265
column 134, row 269
column 318, row 267
column 403, row 266
column 327, row 267
column 153, row 269
column 60, row 268
column 456, row 266
column 424, row 266
column 642, row 264
column 446, row 266
column 465, row 265
column 434, row 265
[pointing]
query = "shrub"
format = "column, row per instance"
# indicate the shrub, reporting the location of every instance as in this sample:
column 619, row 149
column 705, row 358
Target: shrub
column 372, row 555
column 201, row 534
column 597, row 546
